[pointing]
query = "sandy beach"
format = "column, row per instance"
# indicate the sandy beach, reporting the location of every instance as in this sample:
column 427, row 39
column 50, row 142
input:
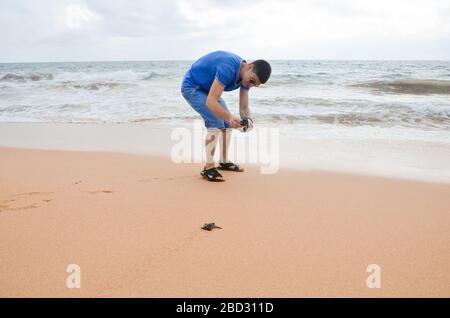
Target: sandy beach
column 111, row 113
column 132, row 224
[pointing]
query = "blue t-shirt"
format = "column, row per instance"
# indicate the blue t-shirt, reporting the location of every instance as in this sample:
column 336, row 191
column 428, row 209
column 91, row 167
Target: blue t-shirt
column 221, row 65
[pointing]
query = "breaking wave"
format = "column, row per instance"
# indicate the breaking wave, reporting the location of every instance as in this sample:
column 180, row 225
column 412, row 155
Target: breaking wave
column 429, row 120
column 91, row 86
column 11, row 77
column 408, row 86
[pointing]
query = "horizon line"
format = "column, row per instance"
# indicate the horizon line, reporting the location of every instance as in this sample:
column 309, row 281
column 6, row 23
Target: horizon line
column 189, row 60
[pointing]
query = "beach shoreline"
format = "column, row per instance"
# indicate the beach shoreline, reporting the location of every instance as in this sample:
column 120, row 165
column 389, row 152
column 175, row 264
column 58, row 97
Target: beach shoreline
column 293, row 148
column 132, row 224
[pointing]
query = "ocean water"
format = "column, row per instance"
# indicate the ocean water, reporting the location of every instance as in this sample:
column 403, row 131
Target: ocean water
column 400, row 100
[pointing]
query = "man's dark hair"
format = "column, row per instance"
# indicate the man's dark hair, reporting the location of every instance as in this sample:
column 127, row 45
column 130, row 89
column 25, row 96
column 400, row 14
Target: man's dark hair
column 262, row 69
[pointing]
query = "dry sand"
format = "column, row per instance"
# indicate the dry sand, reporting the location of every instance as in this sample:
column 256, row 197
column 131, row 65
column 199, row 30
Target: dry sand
column 132, row 224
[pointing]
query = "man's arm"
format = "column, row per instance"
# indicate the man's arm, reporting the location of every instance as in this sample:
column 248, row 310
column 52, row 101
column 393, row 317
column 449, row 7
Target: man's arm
column 212, row 102
column 244, row 110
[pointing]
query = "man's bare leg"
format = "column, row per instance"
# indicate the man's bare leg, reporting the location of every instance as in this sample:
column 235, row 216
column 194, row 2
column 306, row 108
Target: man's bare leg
column 225, row 162
column 225, row 144
column 210, row 147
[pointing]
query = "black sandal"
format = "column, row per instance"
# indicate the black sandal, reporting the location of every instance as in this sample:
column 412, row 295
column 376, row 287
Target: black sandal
column 212, row 175
column 229, row 166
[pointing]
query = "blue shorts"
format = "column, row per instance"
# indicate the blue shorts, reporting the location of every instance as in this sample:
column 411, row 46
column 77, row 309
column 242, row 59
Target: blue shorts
column 196, row 97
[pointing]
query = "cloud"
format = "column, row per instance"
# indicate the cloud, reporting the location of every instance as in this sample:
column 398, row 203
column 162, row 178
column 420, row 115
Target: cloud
column 77, row 16
column 33, row 30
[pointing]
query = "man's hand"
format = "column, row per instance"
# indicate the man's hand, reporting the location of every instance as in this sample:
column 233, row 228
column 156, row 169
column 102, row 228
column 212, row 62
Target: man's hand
column 250, row 124
column 235, row 122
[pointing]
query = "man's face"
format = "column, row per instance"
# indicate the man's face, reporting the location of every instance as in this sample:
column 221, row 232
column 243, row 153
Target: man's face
column 250, row 79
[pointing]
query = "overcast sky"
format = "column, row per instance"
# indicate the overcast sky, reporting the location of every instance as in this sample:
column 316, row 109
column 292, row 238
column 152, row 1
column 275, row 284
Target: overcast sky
column 92, row 30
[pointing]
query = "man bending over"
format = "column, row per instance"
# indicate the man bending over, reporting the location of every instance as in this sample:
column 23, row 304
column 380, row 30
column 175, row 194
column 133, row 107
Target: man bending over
column 202, row 88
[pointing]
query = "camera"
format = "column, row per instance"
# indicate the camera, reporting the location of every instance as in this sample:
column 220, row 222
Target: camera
column 244, row 124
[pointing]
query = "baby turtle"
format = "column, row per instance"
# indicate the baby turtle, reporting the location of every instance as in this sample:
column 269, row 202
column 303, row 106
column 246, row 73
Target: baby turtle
column 210, row 226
